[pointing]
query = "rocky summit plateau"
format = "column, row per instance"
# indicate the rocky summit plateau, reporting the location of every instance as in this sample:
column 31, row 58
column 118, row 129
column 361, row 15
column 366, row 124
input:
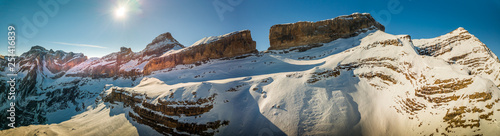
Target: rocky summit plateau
column 340, row 76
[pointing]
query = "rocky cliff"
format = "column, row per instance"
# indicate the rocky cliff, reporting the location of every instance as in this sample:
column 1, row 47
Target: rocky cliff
column 161, row 44
column 127, row 63
column 283, row 36
column 225, row 46
column 160, row 116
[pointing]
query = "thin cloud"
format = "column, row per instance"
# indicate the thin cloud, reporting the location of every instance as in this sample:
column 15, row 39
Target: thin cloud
column 81, row 45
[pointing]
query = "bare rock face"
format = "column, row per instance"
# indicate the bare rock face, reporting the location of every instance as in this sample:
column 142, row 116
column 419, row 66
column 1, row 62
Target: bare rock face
column 153, row 115
column 283, row 36
column 225, row 46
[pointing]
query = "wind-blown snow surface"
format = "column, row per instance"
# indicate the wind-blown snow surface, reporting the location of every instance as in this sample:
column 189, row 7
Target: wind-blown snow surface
column 89, row 123
column 371, row 84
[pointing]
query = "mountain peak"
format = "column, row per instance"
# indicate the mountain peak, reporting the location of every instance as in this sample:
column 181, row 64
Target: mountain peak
column 459, row 30
column 283, row 36
column 125, row 50
column 35, row 51
column 163, row 37
column 161, row 44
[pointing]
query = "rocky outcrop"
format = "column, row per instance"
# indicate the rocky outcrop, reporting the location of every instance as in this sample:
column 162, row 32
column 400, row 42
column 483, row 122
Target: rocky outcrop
column 283, row 36
column 462, row 48
column 161, row 44
column 158, row 116
column 225, row 46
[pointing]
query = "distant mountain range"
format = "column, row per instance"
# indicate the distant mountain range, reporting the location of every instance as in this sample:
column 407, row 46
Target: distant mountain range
column 341, row 76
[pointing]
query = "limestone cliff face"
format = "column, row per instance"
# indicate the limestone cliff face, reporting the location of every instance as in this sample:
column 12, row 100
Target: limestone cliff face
column 225, row 46
column 159, row 116
column 283, row 36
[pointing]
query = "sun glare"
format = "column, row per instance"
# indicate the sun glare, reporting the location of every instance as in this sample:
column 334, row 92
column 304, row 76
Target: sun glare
column 120, row 12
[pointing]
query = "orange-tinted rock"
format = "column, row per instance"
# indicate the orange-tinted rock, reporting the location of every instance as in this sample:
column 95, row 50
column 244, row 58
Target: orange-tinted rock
column 115, row 61
column 226, row 46
column 55, row 61
column 283, row 36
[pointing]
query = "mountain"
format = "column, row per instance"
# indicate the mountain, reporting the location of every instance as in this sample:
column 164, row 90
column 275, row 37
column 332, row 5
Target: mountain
column 126, row 63
column 55, row 85
column 283, row 36
column 367, row 82
column 215, row 47
column 462, row 48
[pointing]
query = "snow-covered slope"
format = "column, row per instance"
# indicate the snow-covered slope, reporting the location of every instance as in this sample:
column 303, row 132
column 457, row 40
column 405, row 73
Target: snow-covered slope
column 126, row 63
column 368, row 83
column 462, row 48
column 53, row 86
column 371, row 84
column 89, row 123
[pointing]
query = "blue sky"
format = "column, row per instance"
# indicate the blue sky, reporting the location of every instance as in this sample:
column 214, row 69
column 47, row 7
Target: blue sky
column 92, row 27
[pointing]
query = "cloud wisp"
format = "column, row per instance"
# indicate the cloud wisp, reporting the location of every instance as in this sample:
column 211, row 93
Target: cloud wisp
column 81, row 45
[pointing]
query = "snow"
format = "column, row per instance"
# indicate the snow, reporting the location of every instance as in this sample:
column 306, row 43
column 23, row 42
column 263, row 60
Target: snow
column 349, row 17
column 473, row 47
column 210, row 39
column 129, row 65
column 343, row 17
column 159, row 45
column 93, row 122
column 273, row 95
column 172, row 51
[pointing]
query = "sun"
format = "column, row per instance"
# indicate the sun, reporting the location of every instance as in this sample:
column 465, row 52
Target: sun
column 120, row 12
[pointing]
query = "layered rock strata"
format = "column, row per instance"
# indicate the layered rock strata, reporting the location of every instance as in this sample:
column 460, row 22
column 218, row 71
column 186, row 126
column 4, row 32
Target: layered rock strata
column 225, row 46
column 283, row 36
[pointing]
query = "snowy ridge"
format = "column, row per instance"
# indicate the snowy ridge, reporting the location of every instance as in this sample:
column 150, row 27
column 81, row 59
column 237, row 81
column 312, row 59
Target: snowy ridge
column 207, row 40
column 462, row 48
column 133, row 61
column 351, row 17
column 159, row 45
column 303, row 106
column 343, row 17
